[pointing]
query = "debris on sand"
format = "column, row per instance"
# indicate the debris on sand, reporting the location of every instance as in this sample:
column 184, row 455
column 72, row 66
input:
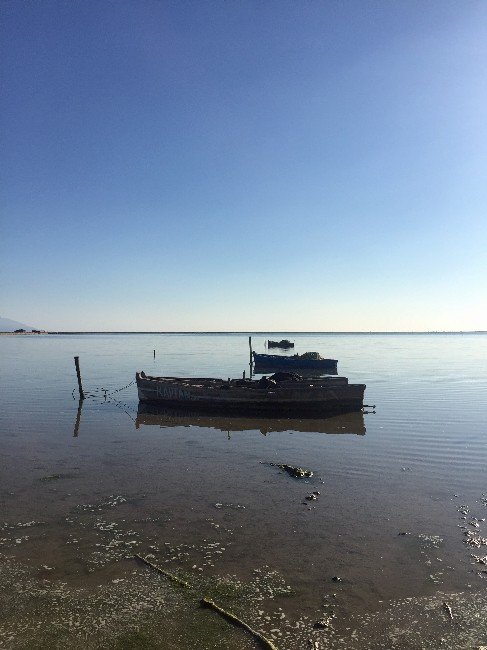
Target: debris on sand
column 474, row 539
column 447, row 608
column 295, row 472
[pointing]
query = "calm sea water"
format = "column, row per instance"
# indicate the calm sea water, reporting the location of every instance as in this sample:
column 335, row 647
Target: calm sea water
column 399, row 488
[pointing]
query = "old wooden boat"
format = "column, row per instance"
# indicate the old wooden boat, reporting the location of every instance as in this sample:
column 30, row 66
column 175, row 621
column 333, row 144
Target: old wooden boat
column 283, row 397
column 308, row 360
column 284, row 344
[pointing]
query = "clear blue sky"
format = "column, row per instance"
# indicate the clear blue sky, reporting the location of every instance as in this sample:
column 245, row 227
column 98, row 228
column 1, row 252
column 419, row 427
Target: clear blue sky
column 244, row 165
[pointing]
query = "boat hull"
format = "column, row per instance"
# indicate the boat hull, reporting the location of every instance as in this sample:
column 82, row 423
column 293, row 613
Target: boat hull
column 289, row 399
column 278, row 362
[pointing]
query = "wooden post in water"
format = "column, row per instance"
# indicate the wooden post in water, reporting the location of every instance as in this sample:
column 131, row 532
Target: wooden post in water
column 154, row 354
column 80, row 386
column 78, row 419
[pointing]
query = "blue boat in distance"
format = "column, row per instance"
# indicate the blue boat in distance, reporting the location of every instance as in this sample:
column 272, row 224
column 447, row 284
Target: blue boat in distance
column 284, row 344
column 307, row 360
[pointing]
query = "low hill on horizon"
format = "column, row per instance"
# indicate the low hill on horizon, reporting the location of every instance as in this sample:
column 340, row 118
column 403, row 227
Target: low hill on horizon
column 9, row 325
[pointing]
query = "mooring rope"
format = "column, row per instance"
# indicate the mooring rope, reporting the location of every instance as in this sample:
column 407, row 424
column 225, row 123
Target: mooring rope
column 123, row 387
column 107, row 391
column 105, row 396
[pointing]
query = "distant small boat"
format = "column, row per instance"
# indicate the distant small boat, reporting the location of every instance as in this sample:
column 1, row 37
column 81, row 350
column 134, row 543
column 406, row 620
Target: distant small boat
column 285, row 344
column 281, row 395
column 311, row 360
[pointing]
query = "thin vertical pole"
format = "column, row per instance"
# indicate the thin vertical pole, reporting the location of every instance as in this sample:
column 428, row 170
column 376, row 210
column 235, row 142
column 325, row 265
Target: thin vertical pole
column 154, row 354
column 80, row 386
column 78, row 419
column 251, row 358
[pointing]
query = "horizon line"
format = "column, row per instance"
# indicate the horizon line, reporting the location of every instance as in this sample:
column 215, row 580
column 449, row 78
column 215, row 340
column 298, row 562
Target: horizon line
column 258, row 332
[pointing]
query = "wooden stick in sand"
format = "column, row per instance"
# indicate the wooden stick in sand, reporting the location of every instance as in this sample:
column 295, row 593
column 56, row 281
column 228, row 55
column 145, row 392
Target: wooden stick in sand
column 171, row 576
column 448, row 610
column 206, row 602
column 265, row 643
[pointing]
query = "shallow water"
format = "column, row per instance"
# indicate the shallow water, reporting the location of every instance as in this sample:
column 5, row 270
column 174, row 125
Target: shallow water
column 102, row 482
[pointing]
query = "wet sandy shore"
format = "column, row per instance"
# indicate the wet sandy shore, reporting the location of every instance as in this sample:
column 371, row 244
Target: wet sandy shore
column 141, row 609
column 71, row 576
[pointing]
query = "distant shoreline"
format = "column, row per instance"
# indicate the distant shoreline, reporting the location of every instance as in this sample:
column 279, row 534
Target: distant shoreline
column 247, row 333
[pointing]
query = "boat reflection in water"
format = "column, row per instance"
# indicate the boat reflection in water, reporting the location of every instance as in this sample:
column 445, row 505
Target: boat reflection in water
column 153, row 415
